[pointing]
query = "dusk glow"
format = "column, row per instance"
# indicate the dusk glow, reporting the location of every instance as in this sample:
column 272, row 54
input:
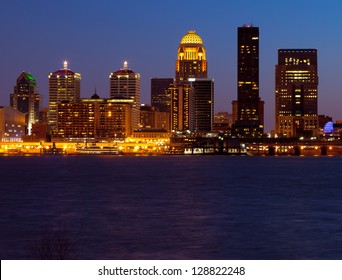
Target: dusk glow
column 97, row 37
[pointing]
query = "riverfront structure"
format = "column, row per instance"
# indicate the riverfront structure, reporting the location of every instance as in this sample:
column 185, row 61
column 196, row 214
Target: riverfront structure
column 126, row 83
column 296, row 84
column 26, row 99
column 249, row 121
column 64, row 86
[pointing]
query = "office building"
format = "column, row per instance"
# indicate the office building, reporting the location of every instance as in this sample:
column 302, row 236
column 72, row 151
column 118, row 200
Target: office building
column 203, row 104
column 249, row 122
column 26, row 99
column 161, row 94
column 191, row 64
column 64, row 86
column 296, row 90
column 12, row 124
column 126, row 83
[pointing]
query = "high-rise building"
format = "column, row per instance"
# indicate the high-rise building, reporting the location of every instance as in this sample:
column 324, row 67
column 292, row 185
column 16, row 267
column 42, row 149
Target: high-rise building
column 191, row 64
column 95, row 119
column 64, row 86
column 182, row 107
column 161, row 94
column 249, row 123
column 126, row 83
column 26, row 99
column 296, row 92
column 204, row 104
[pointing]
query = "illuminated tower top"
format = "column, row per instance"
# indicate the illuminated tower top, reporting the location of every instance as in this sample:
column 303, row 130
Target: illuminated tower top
column 191, row 61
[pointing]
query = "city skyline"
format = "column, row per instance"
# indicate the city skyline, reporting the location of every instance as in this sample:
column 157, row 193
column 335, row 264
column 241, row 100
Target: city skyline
column 95, row 47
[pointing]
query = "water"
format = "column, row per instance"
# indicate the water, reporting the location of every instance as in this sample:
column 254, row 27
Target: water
column 171, row 207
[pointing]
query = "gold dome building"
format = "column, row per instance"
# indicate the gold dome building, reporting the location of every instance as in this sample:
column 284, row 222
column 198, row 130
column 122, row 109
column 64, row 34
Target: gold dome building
column 191, row 62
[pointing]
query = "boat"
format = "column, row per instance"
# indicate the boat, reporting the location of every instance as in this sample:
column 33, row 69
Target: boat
column 93, row 149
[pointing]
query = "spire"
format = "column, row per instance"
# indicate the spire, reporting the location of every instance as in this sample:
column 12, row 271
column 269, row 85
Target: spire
column 125, row 65
column 65, row 65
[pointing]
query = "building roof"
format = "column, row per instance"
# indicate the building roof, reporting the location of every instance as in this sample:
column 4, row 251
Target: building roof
column 64, row 71
column 123, row 71
column 191, row 38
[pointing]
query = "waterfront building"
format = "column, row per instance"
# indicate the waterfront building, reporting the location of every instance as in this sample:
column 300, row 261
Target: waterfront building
column 222, row 122
column 249, row 121
column 161, row 93
column 191, row 64
column 126, row 83
column 296, row 90
column 76, row 121
column 204, row 104
column 64, row 86
column 12, row 124
column 151, row 117
column 95, row 119
column 26, row 99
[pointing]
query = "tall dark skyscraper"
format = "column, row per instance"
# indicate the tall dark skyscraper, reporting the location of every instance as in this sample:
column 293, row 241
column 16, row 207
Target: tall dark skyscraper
column 249, row 122
column 204, row 104
column 161, row 93
column 26, row 99
column 296, row 87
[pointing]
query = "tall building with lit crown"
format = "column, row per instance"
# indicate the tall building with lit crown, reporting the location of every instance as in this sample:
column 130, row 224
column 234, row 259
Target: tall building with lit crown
column 64, row 86
column 191, row 62
column 191, row 89
column 126, row 83
column 26, row 99
column 296, row 90
column 249, row 122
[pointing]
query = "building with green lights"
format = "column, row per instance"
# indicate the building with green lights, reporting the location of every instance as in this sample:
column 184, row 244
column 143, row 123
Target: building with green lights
column 26, row 99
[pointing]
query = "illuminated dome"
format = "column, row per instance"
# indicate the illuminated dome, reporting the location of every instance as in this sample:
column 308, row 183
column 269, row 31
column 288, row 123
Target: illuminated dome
column 191, row 38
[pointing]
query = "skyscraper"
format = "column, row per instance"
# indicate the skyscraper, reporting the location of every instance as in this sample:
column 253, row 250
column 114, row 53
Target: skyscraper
column 64, row 85
column 296, row 87
column 204, row 104
column 161, row 93
column 192, row 88
column 249, row 123
column 126, row 83
column 191, row 62
column 26, row 99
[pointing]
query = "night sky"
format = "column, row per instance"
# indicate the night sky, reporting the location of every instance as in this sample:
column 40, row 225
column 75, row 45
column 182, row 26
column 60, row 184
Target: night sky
column 97, row 36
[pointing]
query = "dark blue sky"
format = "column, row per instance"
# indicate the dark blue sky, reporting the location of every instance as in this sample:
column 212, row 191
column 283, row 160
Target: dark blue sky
column 97, row 36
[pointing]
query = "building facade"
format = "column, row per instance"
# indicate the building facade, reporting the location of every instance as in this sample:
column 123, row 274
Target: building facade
column 64, row 86
column 204, row 104
column 161, row 94
column 248, row 123
column 191, row 63
column 26, row 99
column 296, row 91
column 126, row 83
column 95, row 119
column 12, row 124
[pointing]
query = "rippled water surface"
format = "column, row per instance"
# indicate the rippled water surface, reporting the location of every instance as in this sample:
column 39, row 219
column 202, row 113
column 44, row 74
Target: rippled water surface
column 173, row 207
